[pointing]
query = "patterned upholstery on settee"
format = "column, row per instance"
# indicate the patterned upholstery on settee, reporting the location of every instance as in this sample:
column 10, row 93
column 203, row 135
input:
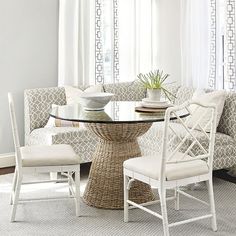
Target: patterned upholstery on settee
column 127, row 91
column 225, row 145
column 38, row 104
column 227, row 123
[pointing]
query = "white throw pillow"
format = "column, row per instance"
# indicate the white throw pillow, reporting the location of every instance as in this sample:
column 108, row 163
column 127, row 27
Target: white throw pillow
column 216, row 97
column 73, row 94
column 54, row 122
column 197, row 93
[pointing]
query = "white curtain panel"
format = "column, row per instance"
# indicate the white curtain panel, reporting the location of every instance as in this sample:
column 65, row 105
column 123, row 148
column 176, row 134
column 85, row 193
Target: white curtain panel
column 195, row 43
column 136, row 46
column 76, row 42
column 138, row 25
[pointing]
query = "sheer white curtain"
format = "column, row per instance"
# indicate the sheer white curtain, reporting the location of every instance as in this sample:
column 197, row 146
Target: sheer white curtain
column 76, row 42
column 195, row 43
column 138, row 20
column 106, row 41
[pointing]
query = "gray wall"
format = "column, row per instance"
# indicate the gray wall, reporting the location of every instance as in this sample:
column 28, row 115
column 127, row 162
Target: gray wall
column 28, row 55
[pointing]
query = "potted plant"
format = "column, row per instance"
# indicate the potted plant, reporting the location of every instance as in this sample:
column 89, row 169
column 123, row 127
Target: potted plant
column 154, row 82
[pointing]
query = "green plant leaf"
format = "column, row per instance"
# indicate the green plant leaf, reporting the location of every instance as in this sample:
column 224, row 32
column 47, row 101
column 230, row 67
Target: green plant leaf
column 153, row 79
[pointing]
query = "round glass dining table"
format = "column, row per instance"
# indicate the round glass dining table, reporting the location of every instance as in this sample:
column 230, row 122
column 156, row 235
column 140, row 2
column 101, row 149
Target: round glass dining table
column 117, row 126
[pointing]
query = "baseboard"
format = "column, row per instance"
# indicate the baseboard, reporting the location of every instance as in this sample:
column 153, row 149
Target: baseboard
column 7, row 160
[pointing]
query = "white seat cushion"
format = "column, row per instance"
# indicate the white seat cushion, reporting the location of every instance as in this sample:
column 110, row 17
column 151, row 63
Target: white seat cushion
column 81, row 139
column 150, row 166
column 45, row 155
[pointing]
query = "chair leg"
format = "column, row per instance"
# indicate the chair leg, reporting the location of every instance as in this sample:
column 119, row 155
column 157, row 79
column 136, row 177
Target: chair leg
column 176, row 199
column 212, row 204
column 13, row 187
column 77, row 192
column 126, row 197
column 53, row 176
column 162, row 195
column 16, row 198
column 70, row 183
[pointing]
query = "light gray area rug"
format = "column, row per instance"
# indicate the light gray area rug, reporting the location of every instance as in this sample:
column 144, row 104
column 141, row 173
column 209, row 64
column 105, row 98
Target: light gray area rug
column 58, row 217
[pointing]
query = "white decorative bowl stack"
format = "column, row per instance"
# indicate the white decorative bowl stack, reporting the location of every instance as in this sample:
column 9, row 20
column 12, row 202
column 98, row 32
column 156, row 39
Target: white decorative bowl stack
column 148, row 103
column 95, row 101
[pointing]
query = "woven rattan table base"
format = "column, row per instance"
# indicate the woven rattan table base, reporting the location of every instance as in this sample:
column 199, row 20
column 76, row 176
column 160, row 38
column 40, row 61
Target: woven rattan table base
column 117, row 143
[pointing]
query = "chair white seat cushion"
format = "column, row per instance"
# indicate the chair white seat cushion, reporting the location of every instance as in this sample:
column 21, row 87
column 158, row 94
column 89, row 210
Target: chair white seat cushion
column 48, row 155
column 81, row 139
column 149, row 166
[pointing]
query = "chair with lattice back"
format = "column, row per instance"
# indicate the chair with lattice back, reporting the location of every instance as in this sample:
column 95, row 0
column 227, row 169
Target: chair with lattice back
column 185, row 159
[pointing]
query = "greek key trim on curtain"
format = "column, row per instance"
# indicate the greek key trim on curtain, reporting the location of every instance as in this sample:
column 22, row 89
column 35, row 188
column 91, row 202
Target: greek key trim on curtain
column 229, row 62
column 99, row 70
column 99, row 46
column 212, row 73
column 230, row 79
column 115, row 42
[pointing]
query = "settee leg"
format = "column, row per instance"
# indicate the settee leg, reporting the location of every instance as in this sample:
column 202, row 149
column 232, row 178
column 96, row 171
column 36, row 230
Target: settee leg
column 53, row 175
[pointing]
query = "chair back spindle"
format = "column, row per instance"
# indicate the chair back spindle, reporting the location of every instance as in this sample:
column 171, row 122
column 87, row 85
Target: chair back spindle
column 15, row 132
column 196, row 139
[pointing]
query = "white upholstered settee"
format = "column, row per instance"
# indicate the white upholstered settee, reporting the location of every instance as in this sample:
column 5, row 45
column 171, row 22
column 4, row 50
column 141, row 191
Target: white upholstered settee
column 38, row 103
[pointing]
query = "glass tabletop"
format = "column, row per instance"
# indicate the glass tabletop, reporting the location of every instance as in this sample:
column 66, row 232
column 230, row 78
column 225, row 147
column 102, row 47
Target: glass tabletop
column 114, row 112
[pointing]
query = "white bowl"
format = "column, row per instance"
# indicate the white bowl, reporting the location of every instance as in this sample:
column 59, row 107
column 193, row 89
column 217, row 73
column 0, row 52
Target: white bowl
column 95, row 101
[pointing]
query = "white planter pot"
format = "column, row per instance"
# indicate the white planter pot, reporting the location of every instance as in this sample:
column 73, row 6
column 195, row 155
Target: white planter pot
column 154, row 94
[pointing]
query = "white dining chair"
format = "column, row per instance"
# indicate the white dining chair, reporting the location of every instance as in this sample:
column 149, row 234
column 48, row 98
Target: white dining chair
column 184, row 160
column 43, row 159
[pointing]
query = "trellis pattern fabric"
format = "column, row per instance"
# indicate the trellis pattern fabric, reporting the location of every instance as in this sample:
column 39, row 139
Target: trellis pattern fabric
column 227, row 123
column 130, row 91
column 38, row 103
column 183, row 94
